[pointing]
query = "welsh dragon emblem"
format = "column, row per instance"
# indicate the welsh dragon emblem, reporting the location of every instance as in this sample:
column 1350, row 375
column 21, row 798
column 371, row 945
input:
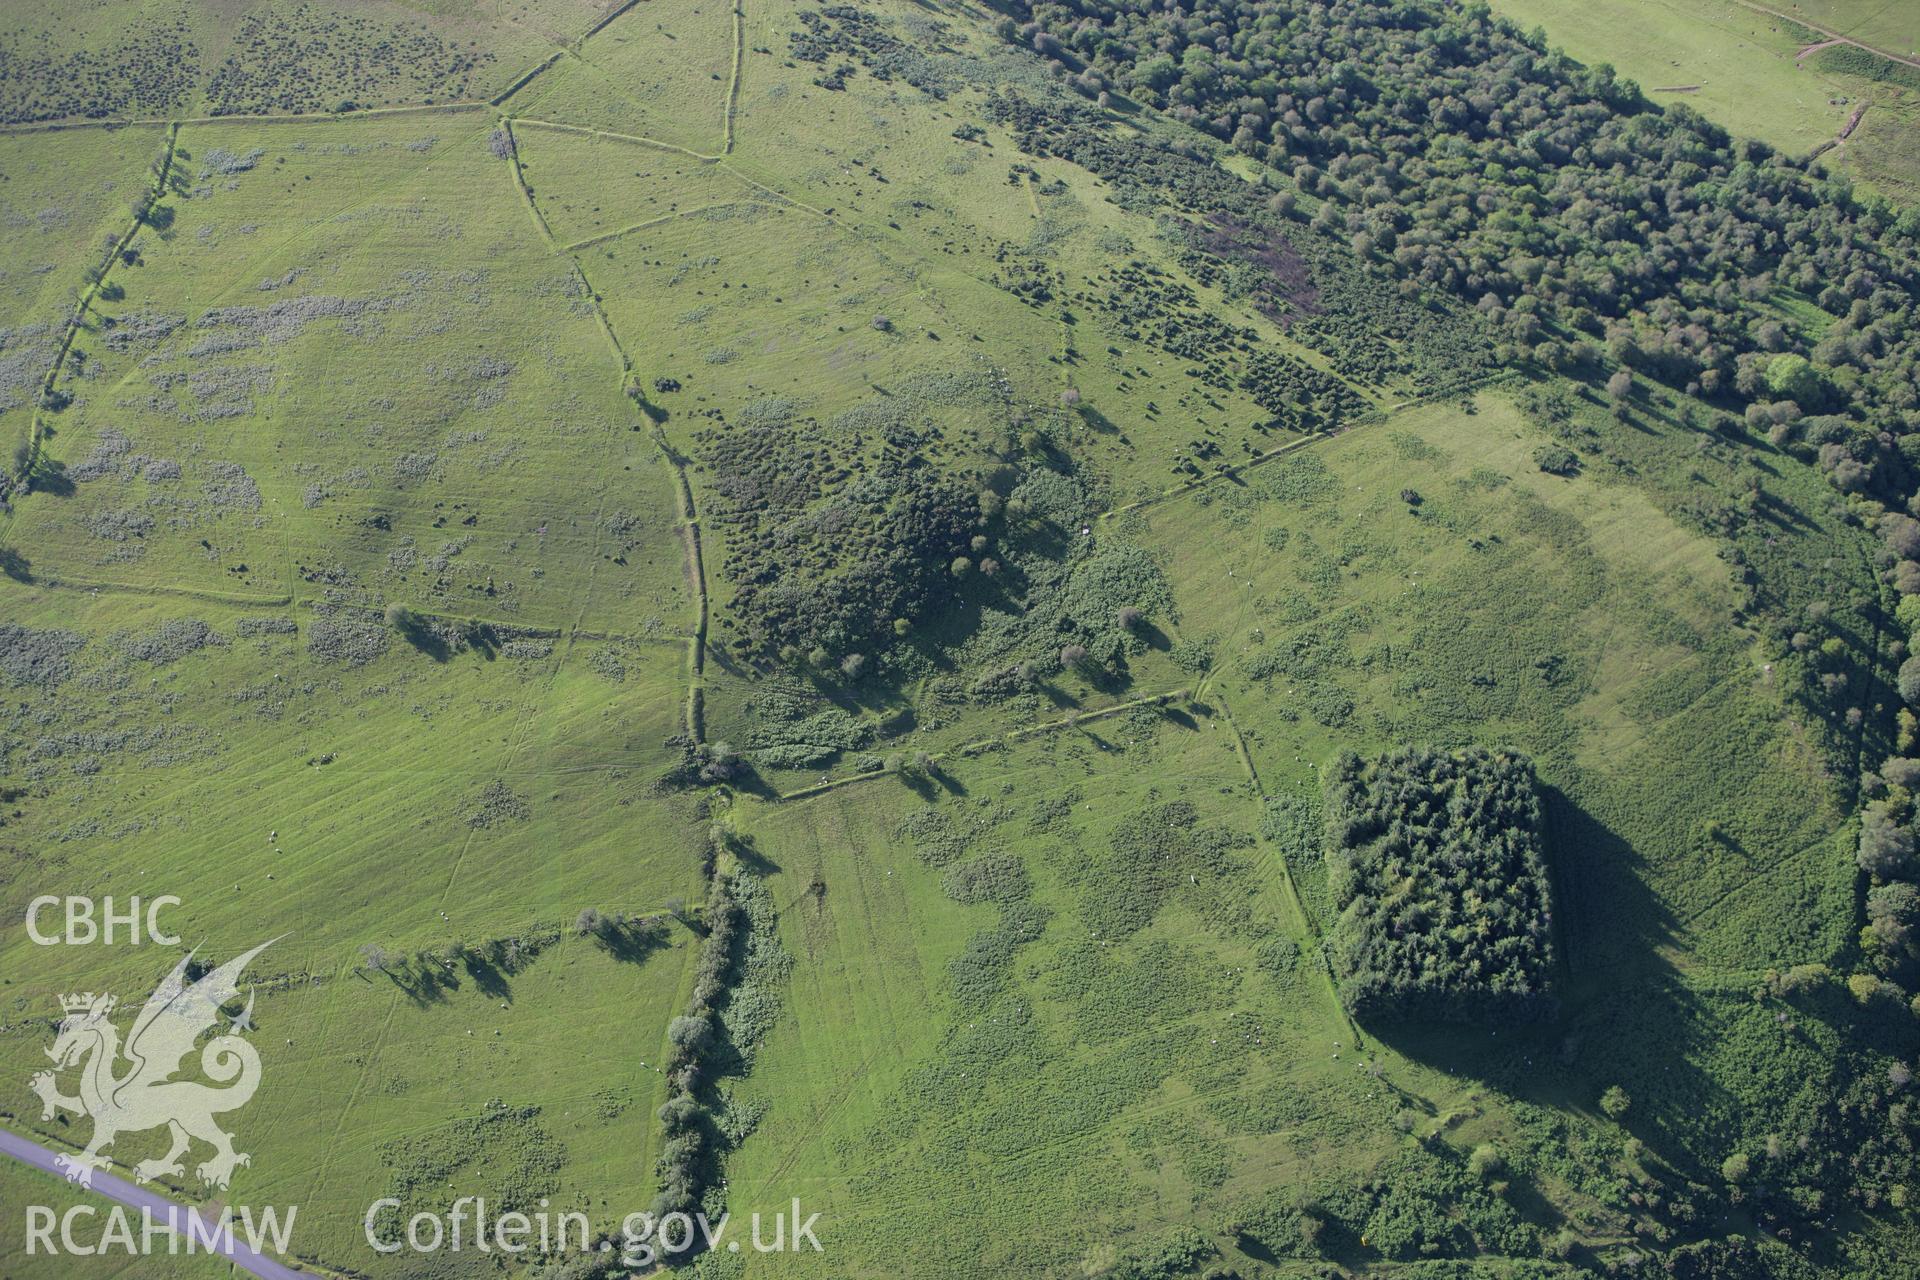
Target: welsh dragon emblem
column 130, row 1088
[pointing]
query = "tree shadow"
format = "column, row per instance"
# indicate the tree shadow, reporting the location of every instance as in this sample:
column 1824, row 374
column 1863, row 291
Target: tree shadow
column 423, row 979
column 482, row 639
column 747, row 780
column 50, row 477
column 1155, row 638
column 1097, row 420
column 1057, row 696
column 1624, row 1013
column 424, row 636
column 1777, row 511
column 632, row 940
column 15, row 566
column 487, row 976
column 746, row 848
column 1178, row 716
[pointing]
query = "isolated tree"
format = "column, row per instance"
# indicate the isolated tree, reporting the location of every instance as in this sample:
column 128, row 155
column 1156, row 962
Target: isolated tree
column 718, row 761
column 588, row 921
column 690, row 1035
column 1893, row 919
column 1886, row 844
column 1793, row 377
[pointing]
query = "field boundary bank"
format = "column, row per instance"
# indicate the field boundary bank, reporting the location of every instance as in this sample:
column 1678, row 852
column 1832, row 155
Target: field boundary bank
column 291, row 117
column 156, row 188
column 639, row 140
column 694, row 556
column 696, row 562
column 291, row 603
column 1372, row 417
column 606, row 237
column 1312, row 926
column 733, row 78
column 1846, row 131
column 979, row 746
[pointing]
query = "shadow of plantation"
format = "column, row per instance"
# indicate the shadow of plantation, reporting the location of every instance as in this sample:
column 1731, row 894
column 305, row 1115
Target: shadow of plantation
column 1625, row 1016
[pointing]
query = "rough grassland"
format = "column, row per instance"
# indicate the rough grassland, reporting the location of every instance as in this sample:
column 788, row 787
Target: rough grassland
column 20, row 1185
column 1885, row 26
column 1161, row 1046
column 160, row 59
column 323, row 352
column 1333, row 623
column 1048, row 1004
column 56, row 230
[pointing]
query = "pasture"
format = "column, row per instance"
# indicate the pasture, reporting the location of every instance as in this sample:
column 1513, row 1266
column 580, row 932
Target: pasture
column 1746, row 69
column 1606, row 630
column 436, row 497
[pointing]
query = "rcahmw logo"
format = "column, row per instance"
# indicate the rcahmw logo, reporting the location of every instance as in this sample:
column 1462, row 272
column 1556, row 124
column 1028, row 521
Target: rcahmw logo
column 143, row 1094
column 184, row 1231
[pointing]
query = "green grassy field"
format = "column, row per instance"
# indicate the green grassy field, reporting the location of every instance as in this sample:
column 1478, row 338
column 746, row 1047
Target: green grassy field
column 1604, row 635
column 1885, row 26
column 22, row 1186
column 1741, row 67
column 1055, row 1004
column 1161, row 1045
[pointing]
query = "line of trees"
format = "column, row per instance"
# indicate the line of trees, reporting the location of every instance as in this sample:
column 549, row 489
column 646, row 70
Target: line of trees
column 689, row 1160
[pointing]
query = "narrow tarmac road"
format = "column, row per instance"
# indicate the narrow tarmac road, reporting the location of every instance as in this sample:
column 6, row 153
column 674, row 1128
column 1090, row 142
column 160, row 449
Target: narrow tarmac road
column 160, row 1208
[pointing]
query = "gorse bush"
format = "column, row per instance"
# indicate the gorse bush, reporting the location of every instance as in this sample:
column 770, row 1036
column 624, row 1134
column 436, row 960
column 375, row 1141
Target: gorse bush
column 1440, row 884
